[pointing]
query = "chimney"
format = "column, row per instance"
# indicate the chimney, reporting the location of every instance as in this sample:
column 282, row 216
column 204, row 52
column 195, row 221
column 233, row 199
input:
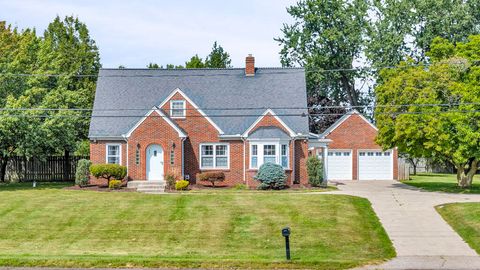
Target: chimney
column 250, row 65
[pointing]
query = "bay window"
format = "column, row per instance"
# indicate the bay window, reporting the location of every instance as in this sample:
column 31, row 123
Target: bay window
column 214, row 156
column 273, row 152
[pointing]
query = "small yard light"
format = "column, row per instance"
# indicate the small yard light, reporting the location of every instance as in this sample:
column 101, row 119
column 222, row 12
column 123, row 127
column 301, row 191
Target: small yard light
column 286, row 234
column 34, row 184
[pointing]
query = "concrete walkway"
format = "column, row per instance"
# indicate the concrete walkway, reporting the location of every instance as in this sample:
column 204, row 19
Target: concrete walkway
column 422, row 239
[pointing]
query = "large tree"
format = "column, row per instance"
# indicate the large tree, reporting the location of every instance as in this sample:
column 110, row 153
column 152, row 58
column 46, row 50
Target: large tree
column 68, row 51
column 433, row 110
column 327, row 35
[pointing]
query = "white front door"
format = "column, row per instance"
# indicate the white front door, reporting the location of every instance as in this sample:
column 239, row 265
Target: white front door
column 154, row 162
column 375, row 165
column 339, row 164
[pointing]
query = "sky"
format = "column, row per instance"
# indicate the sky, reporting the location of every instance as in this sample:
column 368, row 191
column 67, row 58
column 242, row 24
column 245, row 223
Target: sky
column 135, row 33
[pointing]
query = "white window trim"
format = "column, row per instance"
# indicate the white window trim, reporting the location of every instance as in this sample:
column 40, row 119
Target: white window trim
column 260, row 155
column 119, row 150
column 183, row 105
column 214, row 157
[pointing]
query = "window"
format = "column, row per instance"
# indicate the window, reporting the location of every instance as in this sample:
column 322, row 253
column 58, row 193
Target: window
column 172, row 157
column 362, row 154
column 330, row 153
column 387, row 154
column 370, row 154
column 273, row 152
column 378, row 154
column 113, row 153
column 137, row 155
column 338, row 154
column 214, row 156
column 284, row 156
column 347, row 154
column 254, row 156
column 177, row 108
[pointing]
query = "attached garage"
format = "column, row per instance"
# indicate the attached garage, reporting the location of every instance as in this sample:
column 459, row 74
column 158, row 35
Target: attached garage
column 375, row 165
column 353, row 153
column 339, row 165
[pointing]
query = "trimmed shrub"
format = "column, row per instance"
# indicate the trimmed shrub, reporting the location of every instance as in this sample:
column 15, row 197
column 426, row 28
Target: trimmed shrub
column 108, row 171
column 181, row 185
column 315, row 171
column 115, row 184
column 211, row 177
column 272, row 176
column 82, row 174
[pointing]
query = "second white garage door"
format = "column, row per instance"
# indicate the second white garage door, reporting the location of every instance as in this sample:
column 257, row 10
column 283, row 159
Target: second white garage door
column 375, row 165
column 339, row 165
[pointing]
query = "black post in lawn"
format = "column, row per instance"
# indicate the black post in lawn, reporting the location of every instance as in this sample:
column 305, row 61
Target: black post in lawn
column 286, row 234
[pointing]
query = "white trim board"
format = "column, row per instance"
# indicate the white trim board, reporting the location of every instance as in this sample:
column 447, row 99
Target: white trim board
column 269, row 111
column 181, row 134
column 177, row 90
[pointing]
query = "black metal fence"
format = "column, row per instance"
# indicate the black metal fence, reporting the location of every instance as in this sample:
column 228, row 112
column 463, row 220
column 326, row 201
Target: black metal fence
column 54, row 168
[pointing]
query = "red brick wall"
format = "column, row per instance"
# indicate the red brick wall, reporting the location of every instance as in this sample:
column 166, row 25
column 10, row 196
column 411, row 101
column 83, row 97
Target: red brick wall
column 356, row 134
column 155, row 130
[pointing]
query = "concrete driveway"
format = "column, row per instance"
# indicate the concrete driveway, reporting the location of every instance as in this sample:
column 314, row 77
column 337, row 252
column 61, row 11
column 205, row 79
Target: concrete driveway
column 422, row 239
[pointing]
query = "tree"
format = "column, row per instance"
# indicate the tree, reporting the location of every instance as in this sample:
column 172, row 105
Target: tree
column 153, row 66
column 218, row 58
column 406, row 28
column 68, row 50
column 17, row 55
column 443, row 132
column 195, row 62
column 327, row 35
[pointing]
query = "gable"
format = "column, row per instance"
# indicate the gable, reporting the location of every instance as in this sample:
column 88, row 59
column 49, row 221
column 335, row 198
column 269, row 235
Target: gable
column 354, row 131
column 269, row 119
column 157, row 113
column 192, row 109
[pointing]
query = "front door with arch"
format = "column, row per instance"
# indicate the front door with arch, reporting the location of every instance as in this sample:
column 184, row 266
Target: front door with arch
column 154, row 162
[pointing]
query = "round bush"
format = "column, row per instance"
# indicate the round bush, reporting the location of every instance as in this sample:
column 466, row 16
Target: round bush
column 181, row 185
column 82, row 174
column 271, row 176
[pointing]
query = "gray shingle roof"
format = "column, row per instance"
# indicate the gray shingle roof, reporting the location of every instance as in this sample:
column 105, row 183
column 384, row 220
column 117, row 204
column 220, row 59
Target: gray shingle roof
column 124, row 96
column 269, row 133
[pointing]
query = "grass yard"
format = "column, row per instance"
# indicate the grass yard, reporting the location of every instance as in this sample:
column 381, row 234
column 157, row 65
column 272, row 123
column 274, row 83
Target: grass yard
column 442, row 183
column 465, row 220
column 51, row 226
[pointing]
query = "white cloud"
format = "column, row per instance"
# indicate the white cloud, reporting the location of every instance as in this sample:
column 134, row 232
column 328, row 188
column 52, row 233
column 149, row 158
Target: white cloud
column 134, row 33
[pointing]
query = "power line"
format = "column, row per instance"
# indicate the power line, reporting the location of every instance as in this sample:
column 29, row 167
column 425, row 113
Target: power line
column 347, row 107
column 229, row 116
column 306, row 70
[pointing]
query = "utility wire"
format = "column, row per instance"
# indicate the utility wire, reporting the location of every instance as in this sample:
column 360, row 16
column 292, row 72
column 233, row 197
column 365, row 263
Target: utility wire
column 347, row 107
column 306, row 70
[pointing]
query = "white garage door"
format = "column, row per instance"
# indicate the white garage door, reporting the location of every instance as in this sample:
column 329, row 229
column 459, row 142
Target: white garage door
column 375, row 165
column 339, row 165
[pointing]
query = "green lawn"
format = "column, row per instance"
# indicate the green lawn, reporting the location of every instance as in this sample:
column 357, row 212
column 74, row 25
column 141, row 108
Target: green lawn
column 54, row 227
column 465, row 220
column 442, row 183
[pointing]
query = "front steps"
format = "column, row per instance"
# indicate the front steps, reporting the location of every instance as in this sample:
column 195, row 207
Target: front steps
column 150, row 187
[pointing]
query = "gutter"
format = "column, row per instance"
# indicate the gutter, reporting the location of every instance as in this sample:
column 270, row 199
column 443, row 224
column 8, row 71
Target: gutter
column 244, row 163
column 127, row 157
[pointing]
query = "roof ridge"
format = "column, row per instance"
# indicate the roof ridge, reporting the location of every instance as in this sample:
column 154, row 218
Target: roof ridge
column 188, row 69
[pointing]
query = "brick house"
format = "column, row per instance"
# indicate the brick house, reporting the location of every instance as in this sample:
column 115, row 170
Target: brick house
column 187, row 121
column 349, row 150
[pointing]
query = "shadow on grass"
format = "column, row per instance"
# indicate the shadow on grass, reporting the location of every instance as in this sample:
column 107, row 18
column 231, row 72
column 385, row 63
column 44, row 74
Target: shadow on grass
column 29, row 186
column 442, row 183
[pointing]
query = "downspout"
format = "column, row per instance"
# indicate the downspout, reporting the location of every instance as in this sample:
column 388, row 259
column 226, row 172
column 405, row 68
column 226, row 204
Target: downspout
column 244, row 163
column 183, row 159
column 127, row 157
column 294, row 161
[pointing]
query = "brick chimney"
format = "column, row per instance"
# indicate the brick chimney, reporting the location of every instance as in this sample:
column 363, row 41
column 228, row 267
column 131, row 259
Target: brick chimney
column 250, row 65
